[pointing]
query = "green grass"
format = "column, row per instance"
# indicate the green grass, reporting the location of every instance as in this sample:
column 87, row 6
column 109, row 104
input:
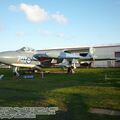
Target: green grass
column 73, row 94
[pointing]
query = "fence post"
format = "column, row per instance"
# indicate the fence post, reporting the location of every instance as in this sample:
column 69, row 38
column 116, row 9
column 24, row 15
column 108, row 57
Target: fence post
column 42, row 74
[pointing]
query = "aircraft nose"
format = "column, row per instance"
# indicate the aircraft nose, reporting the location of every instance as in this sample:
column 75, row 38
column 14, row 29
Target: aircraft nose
column 3, row 57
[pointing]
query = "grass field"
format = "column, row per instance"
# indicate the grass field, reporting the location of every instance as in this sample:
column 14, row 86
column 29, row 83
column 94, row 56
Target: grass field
column 73, row 94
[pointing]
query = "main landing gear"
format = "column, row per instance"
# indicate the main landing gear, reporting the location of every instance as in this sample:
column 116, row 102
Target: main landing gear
column 70, row 70
column 15, row 71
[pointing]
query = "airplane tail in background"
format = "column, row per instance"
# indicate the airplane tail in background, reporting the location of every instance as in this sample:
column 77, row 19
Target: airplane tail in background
column 91, row 53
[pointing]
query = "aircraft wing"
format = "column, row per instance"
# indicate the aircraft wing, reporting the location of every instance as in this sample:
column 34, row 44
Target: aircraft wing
column 101, row 59
column 61, row 56
column 77, row 50
column 63, row 59
column 97, row 59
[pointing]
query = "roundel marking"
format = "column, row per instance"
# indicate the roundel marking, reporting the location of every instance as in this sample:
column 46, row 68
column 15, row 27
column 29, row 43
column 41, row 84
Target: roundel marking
column 28, row 60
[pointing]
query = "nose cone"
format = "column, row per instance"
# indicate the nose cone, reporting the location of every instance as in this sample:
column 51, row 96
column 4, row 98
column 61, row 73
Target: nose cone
column 4, row 57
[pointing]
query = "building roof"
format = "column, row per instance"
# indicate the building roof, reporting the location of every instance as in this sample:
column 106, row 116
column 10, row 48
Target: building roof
column 82, row 47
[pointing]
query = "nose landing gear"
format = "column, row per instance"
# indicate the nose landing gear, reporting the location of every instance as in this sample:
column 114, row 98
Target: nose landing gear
column 15, row 71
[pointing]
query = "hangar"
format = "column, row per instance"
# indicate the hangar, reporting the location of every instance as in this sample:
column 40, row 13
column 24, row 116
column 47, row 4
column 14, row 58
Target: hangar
column 100, row 51
column 109, row 51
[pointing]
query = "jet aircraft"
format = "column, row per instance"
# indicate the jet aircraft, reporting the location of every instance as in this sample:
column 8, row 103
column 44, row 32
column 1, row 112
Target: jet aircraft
column 20, row 58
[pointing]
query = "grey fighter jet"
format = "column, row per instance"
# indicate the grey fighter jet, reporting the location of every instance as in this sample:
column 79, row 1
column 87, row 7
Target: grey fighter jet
column 20, row 58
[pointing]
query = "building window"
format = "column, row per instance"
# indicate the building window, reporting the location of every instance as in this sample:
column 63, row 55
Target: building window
column 83, row 54
column 117, row 55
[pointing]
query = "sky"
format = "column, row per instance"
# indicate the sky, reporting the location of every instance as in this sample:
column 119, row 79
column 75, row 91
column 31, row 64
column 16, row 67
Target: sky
column 45, row 24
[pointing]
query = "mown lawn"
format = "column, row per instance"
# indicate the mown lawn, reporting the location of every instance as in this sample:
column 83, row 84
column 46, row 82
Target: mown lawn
column 73, row 94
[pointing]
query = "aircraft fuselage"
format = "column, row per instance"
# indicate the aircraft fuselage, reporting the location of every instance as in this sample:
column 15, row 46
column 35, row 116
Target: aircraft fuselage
column 18, row 58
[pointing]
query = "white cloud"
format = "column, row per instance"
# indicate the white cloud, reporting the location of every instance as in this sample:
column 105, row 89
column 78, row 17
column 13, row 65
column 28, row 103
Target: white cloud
column 48, row 33
column 34, row 12
column 20, row 33
column 60, row 18
column 13, row 8
column 45, row 32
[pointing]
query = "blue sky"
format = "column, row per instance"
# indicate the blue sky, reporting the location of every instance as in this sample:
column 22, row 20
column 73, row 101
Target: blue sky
column 43, row 24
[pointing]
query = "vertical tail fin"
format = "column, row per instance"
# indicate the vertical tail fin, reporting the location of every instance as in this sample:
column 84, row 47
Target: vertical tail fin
column 91, row 53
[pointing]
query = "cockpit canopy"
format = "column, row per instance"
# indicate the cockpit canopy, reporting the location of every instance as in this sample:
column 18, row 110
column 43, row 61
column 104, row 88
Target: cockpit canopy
column 26, row 49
